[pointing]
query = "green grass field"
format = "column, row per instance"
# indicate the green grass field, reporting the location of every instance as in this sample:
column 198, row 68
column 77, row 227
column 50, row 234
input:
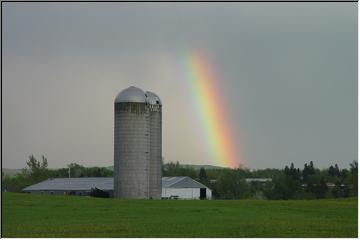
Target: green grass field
column 26, row 215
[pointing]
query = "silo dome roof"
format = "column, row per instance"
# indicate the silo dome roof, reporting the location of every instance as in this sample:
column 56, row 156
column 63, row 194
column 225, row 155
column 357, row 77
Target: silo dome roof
column 131, row 94
column 152, row 98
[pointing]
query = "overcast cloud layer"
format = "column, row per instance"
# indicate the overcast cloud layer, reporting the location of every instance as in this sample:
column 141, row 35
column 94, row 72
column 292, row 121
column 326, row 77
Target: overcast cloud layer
column 288, row 73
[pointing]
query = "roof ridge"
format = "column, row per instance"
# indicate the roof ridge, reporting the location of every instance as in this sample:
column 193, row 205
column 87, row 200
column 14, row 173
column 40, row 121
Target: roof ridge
column 181, row 178
column 198, row 182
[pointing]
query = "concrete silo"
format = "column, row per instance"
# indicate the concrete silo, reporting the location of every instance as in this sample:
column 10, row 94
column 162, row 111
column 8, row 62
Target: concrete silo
column 131, row 144
column 154, row 104
column 137, row 144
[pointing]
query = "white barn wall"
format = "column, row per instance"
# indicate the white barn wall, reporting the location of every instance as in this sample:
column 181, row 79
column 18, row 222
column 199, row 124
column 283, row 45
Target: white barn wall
column 185, row 193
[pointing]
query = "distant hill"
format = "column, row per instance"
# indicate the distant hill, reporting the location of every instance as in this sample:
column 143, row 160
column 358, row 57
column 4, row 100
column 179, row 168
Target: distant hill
column 198, row 167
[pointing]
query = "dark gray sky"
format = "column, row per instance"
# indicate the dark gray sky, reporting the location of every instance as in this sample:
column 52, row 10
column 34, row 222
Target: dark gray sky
column 288, row 75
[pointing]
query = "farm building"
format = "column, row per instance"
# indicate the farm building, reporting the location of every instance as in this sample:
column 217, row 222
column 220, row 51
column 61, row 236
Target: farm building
column 72, row 186
column 184, row 188
column 172, row 187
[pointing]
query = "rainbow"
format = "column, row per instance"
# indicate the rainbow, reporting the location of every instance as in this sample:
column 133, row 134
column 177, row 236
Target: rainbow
column 211, row 108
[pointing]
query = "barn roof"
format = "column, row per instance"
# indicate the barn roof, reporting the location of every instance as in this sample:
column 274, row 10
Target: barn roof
column 181, row 182
column 73, row 184
column 103, row 183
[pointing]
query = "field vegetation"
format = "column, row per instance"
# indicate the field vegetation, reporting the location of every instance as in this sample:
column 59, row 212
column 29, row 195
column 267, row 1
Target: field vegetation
column 29, row 215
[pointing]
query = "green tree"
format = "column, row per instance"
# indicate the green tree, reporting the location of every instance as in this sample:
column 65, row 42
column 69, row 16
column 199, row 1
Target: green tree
column 175, row 169
column 321, row 189
column 353, row 178
column 202, row 174
column 331, row 171
column 232, row 185
column 36, row 171
column 337, row 171
column 16, row 183
column 340, row 190
column 76, row 170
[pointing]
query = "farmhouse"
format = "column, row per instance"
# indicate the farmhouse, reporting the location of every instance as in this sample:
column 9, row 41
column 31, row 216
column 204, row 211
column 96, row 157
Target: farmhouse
column 172, row 187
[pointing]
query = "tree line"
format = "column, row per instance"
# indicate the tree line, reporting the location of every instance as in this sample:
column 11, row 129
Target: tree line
column 37, row 171
column 287, row 183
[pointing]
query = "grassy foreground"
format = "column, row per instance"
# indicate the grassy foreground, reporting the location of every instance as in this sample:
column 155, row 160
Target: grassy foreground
column 26, row 215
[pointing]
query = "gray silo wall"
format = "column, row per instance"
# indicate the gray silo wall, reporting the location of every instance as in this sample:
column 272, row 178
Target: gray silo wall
column 131, row 150
column 155, row 151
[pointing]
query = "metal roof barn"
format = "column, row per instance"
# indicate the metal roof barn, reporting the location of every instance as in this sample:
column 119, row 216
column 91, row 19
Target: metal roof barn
column 181, row 182
column 184, row 188
column 172, row 187
column 73, row 184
